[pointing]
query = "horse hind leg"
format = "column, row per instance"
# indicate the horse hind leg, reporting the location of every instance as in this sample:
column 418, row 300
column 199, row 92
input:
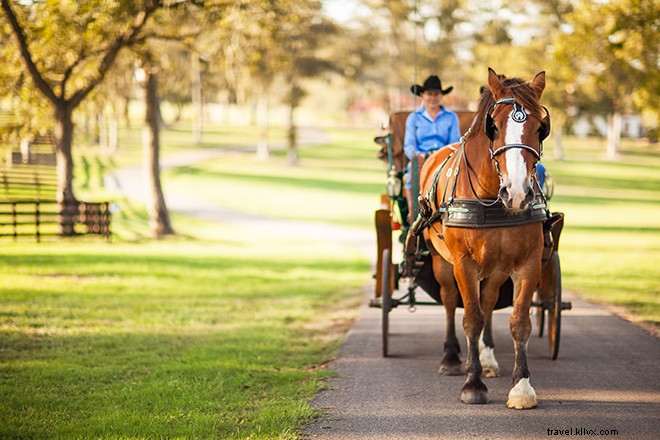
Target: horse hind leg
column 490, row 292
column 489, row 364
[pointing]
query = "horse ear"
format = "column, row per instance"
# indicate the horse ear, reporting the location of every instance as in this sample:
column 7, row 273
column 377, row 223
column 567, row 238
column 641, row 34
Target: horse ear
column 495, row 84
column 539, row 83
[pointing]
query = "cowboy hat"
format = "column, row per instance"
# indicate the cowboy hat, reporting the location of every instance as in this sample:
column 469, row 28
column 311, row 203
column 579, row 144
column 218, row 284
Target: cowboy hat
column 432, row 83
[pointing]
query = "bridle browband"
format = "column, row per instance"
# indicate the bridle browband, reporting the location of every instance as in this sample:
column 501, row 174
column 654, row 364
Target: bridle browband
column 518, row 116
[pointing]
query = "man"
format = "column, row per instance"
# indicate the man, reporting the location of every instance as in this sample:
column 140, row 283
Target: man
column 429, row 128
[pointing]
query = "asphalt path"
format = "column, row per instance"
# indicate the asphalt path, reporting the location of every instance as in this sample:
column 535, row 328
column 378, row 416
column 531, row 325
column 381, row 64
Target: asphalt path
column 131, row 182
column 605, row 383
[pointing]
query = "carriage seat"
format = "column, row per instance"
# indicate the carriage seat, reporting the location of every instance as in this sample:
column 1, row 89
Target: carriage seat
column 397, row 129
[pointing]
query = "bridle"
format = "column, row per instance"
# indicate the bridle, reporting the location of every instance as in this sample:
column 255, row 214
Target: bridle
column 519, row 115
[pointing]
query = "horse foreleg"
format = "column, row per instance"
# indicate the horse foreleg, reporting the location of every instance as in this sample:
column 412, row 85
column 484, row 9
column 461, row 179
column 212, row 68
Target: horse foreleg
column 474, row 390
column 451, row 365
column 522, row 395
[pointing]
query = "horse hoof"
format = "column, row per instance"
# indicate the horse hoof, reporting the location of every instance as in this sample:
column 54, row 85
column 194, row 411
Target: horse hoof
column 490, row 372
column 451, row 370
column 488, row 362
column 522, row 396
column 474, row 394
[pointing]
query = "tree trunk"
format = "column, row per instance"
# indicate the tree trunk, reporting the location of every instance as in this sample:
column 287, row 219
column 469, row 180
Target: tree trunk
column 63, row 134
column 292, row 156
column 613, row 135
column 102, row 121
column 113, row 134
column 559, row 143
column 159, row 218
column 263, row 149
column 196, row 77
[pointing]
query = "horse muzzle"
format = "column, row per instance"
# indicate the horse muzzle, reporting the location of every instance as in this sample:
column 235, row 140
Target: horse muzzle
column 516, row 199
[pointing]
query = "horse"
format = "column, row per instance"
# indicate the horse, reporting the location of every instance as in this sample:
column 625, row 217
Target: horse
column 491, row 168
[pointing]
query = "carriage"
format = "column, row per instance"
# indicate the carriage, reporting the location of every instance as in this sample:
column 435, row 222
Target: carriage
column 401, row 282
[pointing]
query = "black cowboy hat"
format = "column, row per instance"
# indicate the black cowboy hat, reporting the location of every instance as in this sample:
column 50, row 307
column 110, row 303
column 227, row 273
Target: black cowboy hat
column 432, row 83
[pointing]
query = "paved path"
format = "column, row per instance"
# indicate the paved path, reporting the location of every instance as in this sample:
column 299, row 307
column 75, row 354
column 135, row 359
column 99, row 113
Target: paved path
column 130, row 181
column 607, row 377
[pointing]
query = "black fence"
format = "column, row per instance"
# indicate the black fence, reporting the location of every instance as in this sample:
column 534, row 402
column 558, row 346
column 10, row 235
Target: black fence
column 39, row 218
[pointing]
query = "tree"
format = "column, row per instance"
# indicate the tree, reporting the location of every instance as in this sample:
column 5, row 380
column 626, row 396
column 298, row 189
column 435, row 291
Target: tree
column 67, row 48
column 614, row 48
column 159, row 218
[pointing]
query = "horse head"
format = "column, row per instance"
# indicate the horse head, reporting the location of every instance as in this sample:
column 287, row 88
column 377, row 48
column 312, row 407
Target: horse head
column 516, row 125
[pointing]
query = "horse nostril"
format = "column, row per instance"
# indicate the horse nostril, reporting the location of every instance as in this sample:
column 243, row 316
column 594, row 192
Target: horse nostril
column 504, row 193
column 529, row 195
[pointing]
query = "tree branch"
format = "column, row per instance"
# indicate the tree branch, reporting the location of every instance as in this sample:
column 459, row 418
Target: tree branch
column 31, row 67
column 126, row 39
column 68, row 72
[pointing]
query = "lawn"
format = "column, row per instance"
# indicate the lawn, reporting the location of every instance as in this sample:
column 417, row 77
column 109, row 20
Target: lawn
column 217, row 335
column 221, row 331
column 610, row 247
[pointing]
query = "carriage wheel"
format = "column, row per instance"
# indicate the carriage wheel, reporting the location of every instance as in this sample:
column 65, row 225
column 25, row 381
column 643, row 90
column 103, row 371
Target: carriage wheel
column 386, row 283
column 554, row 312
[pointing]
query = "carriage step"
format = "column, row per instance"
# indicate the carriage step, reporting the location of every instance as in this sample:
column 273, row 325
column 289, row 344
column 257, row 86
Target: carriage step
column 378, row 303
column 565, row 305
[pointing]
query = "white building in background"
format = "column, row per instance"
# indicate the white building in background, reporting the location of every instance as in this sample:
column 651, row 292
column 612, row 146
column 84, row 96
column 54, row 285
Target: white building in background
column 631, row 126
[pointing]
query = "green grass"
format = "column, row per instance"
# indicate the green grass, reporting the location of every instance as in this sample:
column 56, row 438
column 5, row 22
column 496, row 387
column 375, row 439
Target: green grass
column 219, row 337
column 336, row 183
column 219, row 332
column 610, row 247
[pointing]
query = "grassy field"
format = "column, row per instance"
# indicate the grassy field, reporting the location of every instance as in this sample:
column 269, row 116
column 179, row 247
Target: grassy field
column 610, row 247
column 220, row 331
column 220, row 334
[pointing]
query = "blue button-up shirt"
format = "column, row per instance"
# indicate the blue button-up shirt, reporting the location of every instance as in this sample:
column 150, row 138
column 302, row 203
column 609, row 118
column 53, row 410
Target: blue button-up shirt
column 424, row 135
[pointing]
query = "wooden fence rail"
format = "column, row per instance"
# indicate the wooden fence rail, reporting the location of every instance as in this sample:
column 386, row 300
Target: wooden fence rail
column 40, row 218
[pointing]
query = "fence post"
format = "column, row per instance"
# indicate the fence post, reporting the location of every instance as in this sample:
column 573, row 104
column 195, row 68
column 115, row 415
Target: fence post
column 13, row 219
column 106, row 216
column 67, row 218
column 37, row 218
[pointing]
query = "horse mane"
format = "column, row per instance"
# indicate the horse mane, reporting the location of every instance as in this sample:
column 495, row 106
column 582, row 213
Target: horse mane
column 522, row 91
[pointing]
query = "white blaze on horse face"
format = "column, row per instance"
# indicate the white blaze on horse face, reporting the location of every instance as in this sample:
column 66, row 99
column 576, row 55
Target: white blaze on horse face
column 516, row 169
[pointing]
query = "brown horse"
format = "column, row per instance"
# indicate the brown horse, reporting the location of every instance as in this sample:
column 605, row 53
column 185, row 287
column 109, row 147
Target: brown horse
column 493, row 165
